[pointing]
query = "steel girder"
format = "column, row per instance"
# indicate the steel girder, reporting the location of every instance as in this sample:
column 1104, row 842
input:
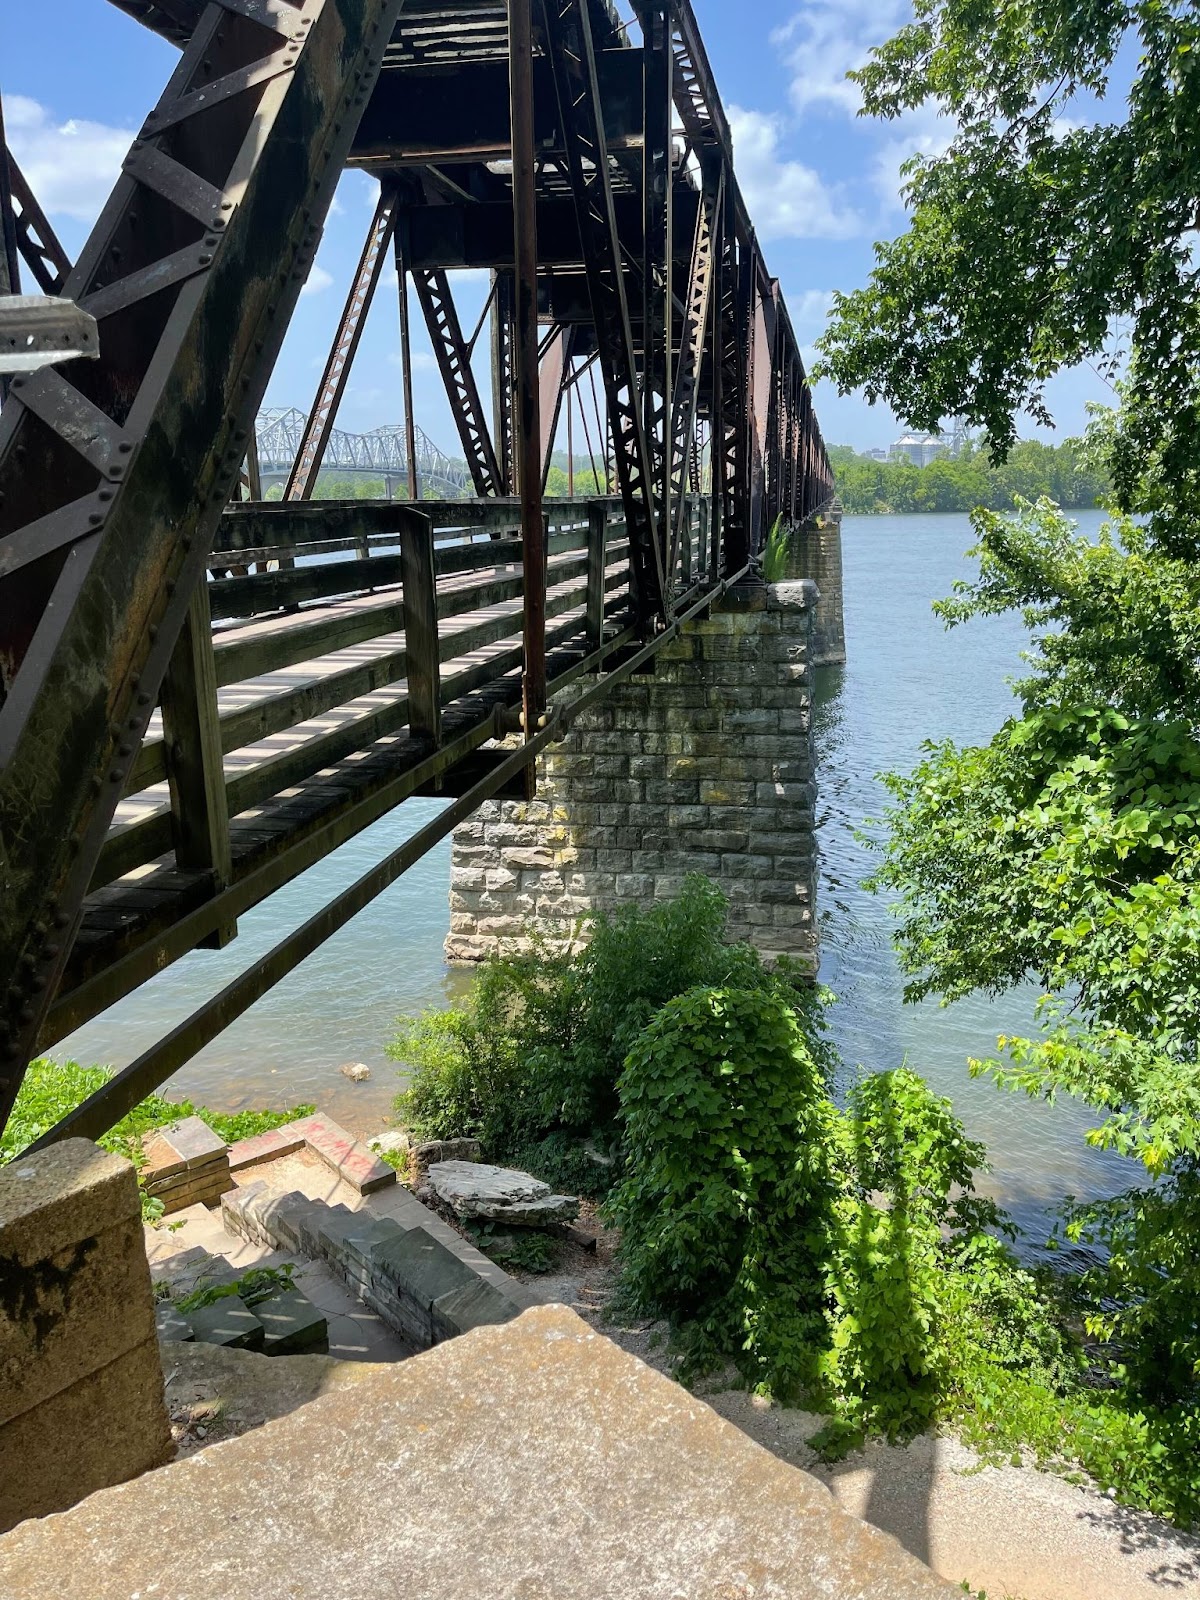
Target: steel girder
column 568, row 43
column 323, row 415
column 32, row 235
column 697, row 318
column 454, row 362
column 657, row 259
column 503, row 377
column 730, row 465
column 113, row 475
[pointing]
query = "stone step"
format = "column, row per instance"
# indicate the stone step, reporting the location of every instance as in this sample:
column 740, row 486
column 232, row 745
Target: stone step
column 421, row 1280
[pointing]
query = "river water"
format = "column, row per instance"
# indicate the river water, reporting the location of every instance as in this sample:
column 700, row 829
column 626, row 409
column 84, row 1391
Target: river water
column 908, row 680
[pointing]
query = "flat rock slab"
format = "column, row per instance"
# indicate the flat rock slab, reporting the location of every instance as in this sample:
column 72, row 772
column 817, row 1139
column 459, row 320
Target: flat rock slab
column 534, row 1459
column 499, row 1194
column 227, row 1321
column 292, row 1325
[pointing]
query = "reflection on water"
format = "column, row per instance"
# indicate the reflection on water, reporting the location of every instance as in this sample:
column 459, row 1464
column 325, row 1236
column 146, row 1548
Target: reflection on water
column 908, row 680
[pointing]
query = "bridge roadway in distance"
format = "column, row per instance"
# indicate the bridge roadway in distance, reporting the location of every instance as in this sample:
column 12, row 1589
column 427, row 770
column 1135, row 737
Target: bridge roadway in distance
column 202, row 695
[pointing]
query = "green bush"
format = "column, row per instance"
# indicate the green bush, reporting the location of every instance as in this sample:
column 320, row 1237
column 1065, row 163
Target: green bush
column 726, row 1209
column 843, row 1258
column 918, row 1277
column 528, row 1063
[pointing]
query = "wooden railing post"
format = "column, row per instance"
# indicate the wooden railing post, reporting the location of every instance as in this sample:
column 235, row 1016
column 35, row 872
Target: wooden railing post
column 193, row 757
column 421, row 627
column 597, row 567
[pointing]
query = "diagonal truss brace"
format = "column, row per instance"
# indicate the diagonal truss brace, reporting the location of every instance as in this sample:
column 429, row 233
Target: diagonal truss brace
column 112, row 482
column 37, row 241
column 454, row 361
column 568, row 43
column 686, row 402
column 302, row 479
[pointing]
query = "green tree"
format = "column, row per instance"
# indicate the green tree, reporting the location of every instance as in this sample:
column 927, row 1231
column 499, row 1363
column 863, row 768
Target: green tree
column 1041, row 228
column 1067, row 849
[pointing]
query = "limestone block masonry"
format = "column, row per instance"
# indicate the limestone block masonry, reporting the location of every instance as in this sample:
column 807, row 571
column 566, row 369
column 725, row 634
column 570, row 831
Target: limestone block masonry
column 705, row 766
column 819, row 546
column 81, row 1384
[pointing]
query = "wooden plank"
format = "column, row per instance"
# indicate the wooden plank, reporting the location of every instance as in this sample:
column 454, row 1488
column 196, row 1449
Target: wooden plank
column 421, row 634
column 239, row 658
column 275, row 591
column 192, row 749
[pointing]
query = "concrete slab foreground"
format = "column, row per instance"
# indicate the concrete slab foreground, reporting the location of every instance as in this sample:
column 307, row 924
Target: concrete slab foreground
column 532, row 1460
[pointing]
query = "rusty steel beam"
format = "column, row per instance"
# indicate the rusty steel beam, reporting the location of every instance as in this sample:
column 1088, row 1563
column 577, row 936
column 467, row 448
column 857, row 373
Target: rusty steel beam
column 321, row 418
column 454, row 362
column 569, row 45
column 686, row 401
column 528, row 418
column 10, row 268
column 48, row 262
column 657, row 262
column 504, row 294
column 173, row 20
column 112, row 481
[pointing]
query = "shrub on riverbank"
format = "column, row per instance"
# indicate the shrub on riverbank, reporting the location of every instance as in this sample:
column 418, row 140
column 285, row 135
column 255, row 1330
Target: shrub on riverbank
column 837, row 1255
column 528, row 1063
column 842, row 1259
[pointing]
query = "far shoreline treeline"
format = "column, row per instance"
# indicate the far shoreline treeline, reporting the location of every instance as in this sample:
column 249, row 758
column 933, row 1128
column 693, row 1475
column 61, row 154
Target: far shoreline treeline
column 1063, row 473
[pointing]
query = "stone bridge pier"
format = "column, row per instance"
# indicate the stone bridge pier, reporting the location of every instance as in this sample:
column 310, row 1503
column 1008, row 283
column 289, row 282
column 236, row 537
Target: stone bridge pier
column 705, row 765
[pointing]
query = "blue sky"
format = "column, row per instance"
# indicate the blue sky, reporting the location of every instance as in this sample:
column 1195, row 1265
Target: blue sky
column 822, row 184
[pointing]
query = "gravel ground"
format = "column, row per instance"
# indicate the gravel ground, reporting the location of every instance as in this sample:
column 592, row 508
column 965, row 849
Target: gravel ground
column 1011, row 1532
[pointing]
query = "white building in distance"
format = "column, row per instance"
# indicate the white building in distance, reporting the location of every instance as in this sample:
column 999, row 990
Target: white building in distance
column 919, row 448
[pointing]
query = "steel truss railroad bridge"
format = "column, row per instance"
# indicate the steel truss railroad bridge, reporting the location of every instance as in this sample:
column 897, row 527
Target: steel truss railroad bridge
column 176, row 745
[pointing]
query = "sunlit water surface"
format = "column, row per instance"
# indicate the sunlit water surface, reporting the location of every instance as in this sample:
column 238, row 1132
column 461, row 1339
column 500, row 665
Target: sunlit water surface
column 908, row 680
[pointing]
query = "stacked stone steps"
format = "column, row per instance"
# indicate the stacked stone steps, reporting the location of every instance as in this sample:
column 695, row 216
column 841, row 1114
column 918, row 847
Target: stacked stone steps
column 410, row 1274
column 287, row 1323
column 185, row 1164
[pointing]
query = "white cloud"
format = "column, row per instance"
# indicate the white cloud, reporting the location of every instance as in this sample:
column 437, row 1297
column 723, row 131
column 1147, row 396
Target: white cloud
column 828, row 38
column 923, row 132
column 422, row 360
column 786, row 199
column 809, row 310
column 70, row 166
column 318, row 281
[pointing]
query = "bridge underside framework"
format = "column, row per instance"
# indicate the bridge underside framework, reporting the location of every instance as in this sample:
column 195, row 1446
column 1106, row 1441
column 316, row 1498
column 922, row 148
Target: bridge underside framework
column 177, row 742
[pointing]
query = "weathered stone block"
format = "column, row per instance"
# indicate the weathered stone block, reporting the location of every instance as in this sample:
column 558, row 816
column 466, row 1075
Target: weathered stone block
column 107, row 1427
column 681, row 777
column 75, row 1292
column 475, row 1305
column 292, row 1325
column 228, row 1321
column 726, row 794
column 172, row 1326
